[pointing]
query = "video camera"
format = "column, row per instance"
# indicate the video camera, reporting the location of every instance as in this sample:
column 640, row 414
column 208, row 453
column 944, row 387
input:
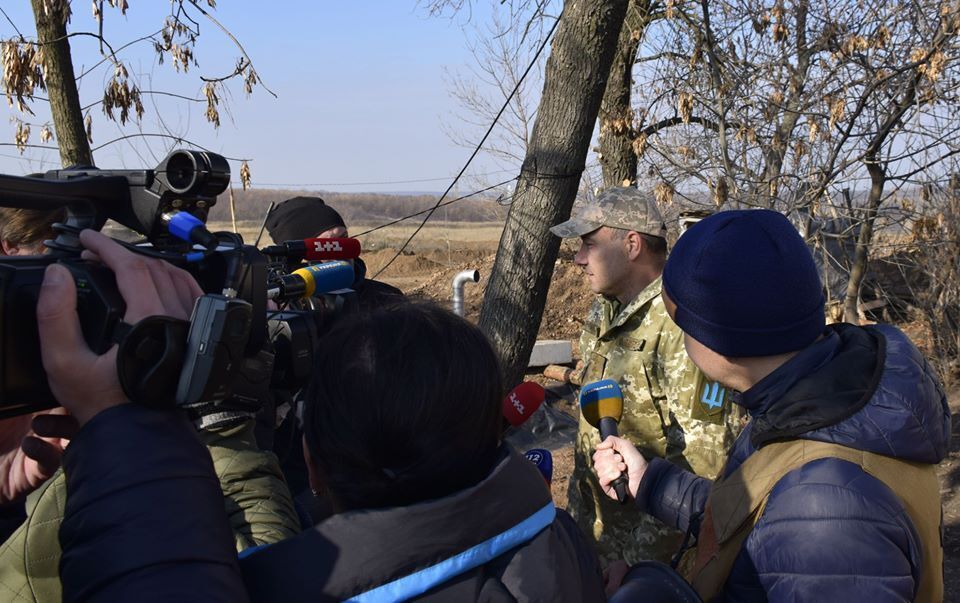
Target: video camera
column 231, row 349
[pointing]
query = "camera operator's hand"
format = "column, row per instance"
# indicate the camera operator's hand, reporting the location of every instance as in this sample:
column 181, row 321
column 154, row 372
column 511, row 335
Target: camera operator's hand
column 615, row 456
column 31, row 447
column 83, row 382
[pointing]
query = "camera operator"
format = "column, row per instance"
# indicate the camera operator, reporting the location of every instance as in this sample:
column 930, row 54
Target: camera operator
column 253, row 492
column 402, row 426
column 27, row 459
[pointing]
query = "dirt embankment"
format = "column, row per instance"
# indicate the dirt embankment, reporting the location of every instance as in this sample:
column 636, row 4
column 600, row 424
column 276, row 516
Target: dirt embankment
column 430, row 275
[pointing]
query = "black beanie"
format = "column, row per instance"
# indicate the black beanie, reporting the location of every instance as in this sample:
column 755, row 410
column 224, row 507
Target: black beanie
column 745, row 284
column 301, row 218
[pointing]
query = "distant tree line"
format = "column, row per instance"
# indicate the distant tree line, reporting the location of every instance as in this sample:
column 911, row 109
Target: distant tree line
column 363, row 208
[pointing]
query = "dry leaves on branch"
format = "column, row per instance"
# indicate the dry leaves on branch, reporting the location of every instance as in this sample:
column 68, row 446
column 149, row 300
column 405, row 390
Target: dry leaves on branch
column 178, row 40
column 22, row 136
column 854, row 44
column 46, row 134
column 720, row 193
column 780, row 31
column 761, row 23
column 814, row 125
column 58, row 10
column 799, row 149
column 121, row 4
column 98, row 8
column 123, row 95
column 250, row 80
column 640, row 145
column 881, row 38
column 687, row 152
column 685, row 106
column 746, row 134
column 837, row 107
column 23, row 72
column 212, row 115
column 663, row 193
column 245, row 175
column 933, row 67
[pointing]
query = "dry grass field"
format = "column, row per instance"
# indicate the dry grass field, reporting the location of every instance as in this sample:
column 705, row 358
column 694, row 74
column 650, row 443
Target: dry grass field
column 434, row 235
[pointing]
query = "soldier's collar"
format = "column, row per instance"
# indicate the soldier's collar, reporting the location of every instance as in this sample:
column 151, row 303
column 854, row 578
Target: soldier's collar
column 649, row 293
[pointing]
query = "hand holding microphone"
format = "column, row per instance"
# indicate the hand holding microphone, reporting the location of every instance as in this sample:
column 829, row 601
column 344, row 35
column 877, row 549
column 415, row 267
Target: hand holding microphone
column 614, row 458
column 601, row 404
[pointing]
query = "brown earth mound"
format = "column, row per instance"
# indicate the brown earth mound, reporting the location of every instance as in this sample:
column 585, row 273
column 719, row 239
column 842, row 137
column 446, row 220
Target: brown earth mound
column 430, row 276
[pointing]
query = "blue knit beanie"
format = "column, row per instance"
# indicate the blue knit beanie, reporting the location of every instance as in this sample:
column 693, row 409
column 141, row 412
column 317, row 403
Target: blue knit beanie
column 745, row 285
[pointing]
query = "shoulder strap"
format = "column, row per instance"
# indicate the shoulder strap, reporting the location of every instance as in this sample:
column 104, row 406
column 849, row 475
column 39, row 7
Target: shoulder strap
column 737, row 502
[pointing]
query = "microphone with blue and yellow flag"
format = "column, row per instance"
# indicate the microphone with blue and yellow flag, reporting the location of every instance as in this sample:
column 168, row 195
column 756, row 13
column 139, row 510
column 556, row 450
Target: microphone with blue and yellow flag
column 601, row 404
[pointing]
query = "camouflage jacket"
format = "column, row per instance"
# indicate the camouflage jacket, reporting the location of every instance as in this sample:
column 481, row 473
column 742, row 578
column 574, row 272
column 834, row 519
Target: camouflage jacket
column 256, row 498
column 670, row 410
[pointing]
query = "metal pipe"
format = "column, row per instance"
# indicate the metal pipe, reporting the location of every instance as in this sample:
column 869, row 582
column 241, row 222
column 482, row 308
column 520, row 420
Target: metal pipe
column 459, row 281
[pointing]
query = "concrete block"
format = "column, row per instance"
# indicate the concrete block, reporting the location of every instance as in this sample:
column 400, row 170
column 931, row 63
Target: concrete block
column 551, row 351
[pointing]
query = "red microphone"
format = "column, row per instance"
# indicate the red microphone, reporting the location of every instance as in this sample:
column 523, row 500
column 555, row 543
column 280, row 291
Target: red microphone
column 316, row 250
column 521, row 403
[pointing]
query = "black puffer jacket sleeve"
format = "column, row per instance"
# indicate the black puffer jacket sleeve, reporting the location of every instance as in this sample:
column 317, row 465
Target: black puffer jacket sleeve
column 145, row 519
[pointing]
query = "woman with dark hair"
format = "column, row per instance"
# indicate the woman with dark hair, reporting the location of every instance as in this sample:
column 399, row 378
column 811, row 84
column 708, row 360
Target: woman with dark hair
column 402, row 427
column 402, row 431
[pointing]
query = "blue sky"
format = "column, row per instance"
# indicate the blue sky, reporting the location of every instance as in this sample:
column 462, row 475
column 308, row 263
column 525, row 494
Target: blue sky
column 361, row 92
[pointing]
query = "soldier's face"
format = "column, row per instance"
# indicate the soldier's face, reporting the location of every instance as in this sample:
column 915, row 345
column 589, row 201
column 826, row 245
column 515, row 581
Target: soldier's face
column 604, row 259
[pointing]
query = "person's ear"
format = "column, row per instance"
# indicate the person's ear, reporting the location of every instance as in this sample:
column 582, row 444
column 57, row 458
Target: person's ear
column 9, row 248
column 634, row 244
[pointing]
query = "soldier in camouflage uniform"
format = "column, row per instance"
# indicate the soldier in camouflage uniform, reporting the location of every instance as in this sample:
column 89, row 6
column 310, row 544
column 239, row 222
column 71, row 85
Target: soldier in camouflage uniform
column 669, row 409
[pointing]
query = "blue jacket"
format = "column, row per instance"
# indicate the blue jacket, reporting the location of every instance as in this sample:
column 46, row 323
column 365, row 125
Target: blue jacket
column 830, row 531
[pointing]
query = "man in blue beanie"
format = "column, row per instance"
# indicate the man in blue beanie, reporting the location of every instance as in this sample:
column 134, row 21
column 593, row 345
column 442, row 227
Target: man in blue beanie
column 830, row 493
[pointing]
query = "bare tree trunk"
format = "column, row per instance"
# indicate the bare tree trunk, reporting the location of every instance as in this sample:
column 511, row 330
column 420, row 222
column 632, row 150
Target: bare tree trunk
column 51, row 18
column 576, row 76
column 725, row 182
column 793, row 110
column 617, row 159
column 858, row 268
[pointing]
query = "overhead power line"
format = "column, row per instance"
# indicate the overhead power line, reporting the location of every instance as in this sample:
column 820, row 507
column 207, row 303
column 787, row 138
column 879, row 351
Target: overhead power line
column 476, row 150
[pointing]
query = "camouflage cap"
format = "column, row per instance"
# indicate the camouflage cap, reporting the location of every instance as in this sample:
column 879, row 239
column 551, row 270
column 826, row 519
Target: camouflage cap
column 622, row 207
